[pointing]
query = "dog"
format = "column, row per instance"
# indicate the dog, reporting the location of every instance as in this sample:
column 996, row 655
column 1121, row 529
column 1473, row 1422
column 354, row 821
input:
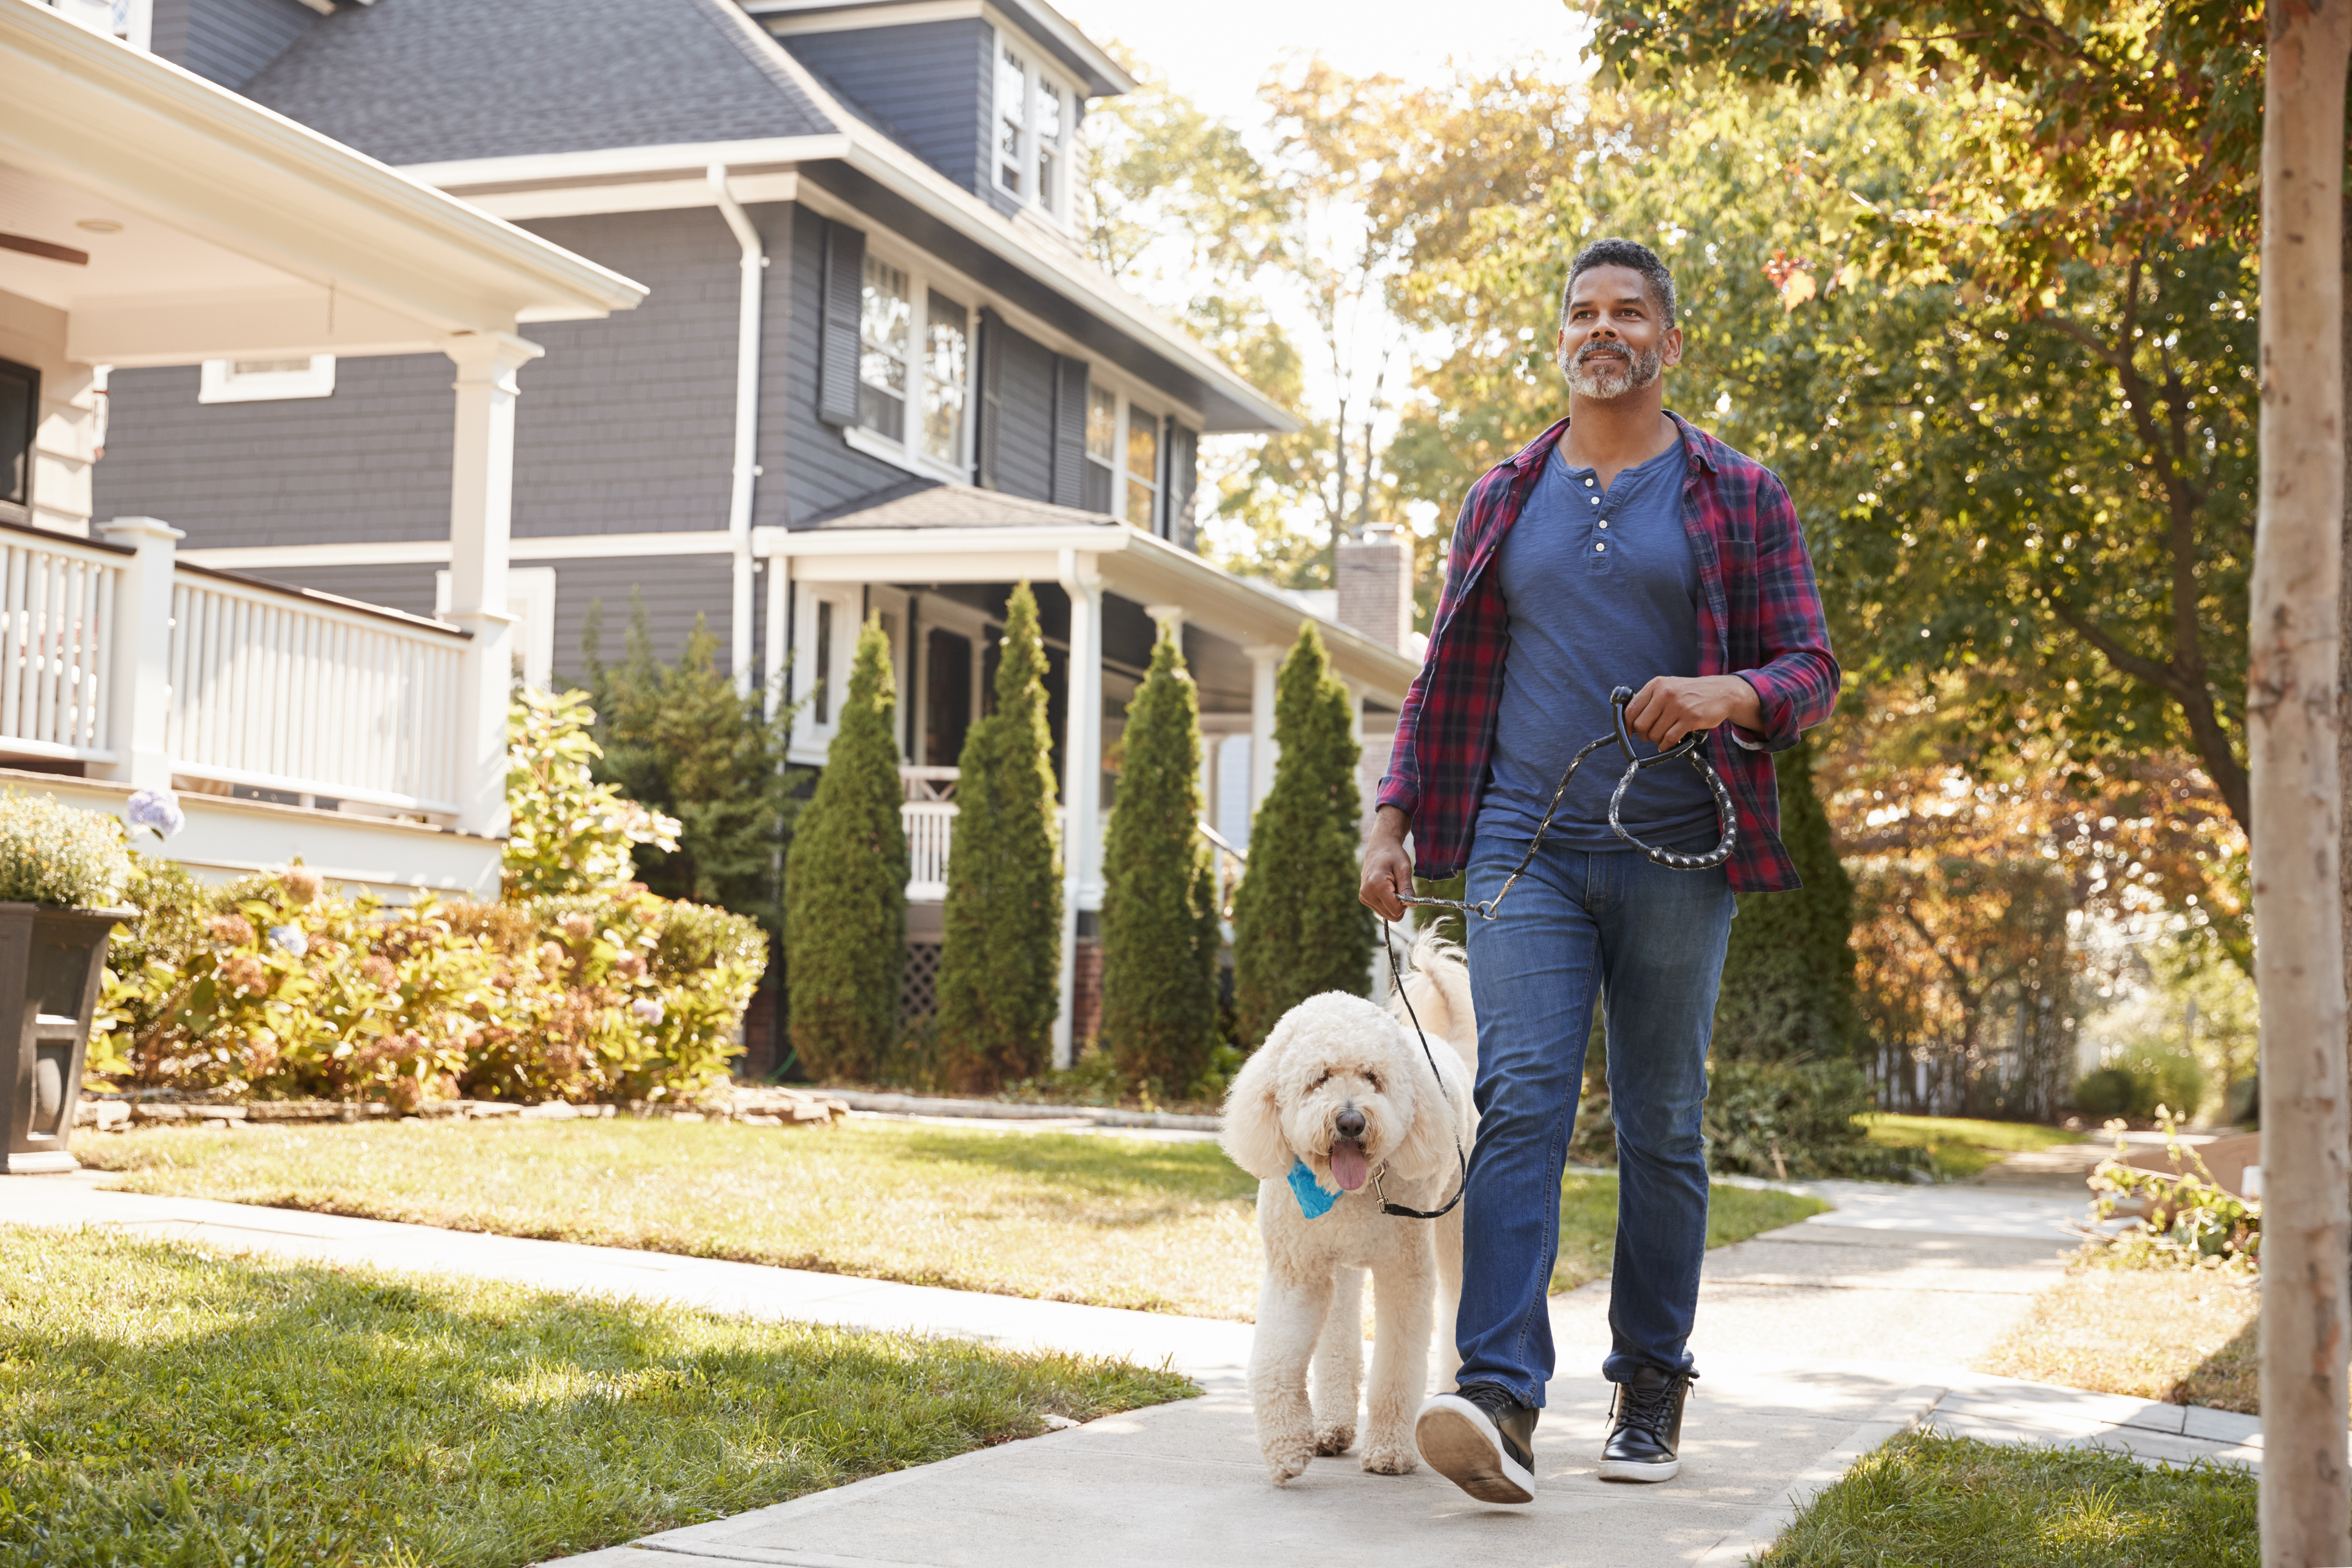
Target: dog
column 1343, row 1087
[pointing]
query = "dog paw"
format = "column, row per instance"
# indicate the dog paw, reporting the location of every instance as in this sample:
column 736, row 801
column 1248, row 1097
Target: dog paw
column 1334, row 1439
column 1387, row 1459
column 1288, row 1463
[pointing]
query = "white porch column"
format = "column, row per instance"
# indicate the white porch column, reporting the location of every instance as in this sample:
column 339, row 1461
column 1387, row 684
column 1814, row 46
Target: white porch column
column 1082, row 883
column 138, row 654
column 1266, row 663
column 481, row 516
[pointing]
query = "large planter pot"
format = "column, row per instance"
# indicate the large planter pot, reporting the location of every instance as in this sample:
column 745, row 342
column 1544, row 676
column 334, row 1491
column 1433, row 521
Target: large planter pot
column 51, row 963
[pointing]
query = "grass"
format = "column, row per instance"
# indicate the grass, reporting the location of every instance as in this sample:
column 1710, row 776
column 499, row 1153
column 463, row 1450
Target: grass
column 1115, row 1222
column 1927, row 1501
column 1961, row 1145
column 163, row 1404
column 2181, row 1335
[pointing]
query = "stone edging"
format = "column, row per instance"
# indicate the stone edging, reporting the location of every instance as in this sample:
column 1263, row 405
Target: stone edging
column 1897, row 1416
column 1004, row 1110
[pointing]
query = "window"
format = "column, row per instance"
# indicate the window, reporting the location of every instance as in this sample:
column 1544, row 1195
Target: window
column 20, row 415
column 885, row 324
column 914, row 372
column 946, row 374
column 1011, row 118
column 1102, row 448
column 824, row 687
column 1143, row 469
column 265, row 380
column 1035, row 115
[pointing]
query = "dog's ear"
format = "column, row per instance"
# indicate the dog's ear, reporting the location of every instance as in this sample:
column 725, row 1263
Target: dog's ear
column 1253, row 1130
column 1429, row 1143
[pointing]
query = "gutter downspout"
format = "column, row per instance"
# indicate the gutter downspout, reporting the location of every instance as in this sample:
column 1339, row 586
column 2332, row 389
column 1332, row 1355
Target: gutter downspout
column 747, row 420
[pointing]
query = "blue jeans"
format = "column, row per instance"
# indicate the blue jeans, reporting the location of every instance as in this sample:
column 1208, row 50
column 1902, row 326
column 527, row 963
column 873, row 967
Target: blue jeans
column 1650, row 943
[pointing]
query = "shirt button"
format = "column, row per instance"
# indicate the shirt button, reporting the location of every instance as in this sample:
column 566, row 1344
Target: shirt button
column 1587, row 481
column 1594, row 499
column 1600, row 547
column 1604, row 522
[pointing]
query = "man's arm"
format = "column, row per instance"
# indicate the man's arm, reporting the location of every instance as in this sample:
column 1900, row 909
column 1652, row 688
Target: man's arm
column 1388, row 869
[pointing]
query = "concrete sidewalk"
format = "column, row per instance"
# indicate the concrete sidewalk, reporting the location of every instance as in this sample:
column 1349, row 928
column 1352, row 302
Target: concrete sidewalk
column 1815, row 1342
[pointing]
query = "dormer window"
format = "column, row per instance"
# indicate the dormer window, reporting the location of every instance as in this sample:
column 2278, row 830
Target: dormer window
column 1036, row 111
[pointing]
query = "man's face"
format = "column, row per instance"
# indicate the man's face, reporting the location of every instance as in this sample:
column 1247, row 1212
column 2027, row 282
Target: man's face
column 1615, row 343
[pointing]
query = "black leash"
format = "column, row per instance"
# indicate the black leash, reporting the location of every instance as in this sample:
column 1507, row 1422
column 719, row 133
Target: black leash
column 1692, row 746
column 1396, row 978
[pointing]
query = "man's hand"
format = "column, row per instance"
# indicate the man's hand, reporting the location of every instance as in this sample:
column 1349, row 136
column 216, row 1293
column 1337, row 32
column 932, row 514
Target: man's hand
column 1388, row 869
column 1671, row 707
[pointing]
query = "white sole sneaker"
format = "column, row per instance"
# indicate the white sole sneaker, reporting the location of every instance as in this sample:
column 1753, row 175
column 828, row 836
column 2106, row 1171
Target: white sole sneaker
column 1460, row 1443
column 1637, row 1470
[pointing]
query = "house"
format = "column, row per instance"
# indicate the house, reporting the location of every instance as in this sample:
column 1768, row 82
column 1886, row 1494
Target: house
column 876, row 375
column 152, row 218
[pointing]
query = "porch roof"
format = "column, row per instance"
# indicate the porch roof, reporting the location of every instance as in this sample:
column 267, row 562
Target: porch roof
column 955, row 534
column 174, row 221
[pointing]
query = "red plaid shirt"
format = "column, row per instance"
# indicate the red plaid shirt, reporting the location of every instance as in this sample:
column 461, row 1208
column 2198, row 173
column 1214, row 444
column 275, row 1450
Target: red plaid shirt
column 1760, row 617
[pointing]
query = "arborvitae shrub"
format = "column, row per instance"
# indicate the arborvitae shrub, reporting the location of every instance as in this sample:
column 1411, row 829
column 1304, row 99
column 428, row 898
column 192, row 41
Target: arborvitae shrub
column 1788, row 977
column 845, row 886
column 1000, row 971
column 1160, row 903
column 1299, row 927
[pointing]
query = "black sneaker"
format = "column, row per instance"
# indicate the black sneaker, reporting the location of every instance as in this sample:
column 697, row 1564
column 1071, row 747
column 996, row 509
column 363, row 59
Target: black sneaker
column 1483, row 1440
column 1645, row 1427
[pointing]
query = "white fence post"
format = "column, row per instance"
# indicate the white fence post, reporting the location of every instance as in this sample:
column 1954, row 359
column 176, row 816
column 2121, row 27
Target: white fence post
column 139, row 689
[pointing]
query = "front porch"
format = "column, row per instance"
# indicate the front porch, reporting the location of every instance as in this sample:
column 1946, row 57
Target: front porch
column 153, row 218
column 937, row 567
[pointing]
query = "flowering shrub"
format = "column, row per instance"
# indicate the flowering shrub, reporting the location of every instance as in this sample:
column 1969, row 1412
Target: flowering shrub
column 568, row 834
column 52, row 852
column 2186, row 1220
column 273, row 987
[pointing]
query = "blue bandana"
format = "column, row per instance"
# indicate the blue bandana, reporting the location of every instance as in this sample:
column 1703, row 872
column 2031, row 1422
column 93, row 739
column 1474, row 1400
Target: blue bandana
column 1313, row 1201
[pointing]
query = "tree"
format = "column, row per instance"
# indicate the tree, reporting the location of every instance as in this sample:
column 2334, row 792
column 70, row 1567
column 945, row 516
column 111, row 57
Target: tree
column 845, row 885
column 1299, row 928
column 1787, row 990
column 1000, row 970
column 568, row 834
column 682, row 739
column 1160, row 902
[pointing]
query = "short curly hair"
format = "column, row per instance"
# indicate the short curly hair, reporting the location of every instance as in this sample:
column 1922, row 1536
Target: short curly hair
column 1624, row 253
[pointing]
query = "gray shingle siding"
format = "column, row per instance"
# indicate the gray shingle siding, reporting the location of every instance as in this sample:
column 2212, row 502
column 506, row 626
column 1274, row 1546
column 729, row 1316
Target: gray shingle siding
column 416, row 81
column 228, row 41
column 370, row 462
column 927, row 84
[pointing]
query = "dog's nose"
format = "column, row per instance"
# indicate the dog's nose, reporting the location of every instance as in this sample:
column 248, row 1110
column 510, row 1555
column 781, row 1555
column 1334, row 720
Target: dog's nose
column 1351, row 1123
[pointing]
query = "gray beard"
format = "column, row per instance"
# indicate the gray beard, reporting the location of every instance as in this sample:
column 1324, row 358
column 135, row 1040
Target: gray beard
column 1605, row 380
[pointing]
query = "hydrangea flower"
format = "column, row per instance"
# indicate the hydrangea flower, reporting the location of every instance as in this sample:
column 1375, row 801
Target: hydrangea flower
column 292, row 938
column 157, row 809
column 648, row 1008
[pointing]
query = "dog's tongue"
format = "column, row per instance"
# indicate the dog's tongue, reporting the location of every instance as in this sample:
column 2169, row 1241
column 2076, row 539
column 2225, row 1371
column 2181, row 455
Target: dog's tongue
column 1348, row 1166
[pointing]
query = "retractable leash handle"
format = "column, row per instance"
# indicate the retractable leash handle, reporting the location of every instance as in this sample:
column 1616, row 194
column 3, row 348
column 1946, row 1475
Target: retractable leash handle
column 1691, row 747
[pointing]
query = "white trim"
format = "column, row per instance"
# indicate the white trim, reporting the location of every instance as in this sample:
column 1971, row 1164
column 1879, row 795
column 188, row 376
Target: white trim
column 812, row 736
column 859, row 438
column 221, row 382
column 645, row 197
column 782, row 18
column 435, row 552
column 530, row 600
column 682, row 159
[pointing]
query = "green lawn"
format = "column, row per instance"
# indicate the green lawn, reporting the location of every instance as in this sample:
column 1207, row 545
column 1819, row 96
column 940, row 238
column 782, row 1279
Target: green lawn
column 1962, row 1145
column 1117, row 1221
column 1925, row 1501
column 160, row 1403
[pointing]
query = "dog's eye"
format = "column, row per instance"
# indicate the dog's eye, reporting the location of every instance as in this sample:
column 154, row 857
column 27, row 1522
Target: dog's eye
column 1319, row 1083
column 1374, row 1079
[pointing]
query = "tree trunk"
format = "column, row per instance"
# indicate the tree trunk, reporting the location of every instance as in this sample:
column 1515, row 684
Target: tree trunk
column 2293, row 729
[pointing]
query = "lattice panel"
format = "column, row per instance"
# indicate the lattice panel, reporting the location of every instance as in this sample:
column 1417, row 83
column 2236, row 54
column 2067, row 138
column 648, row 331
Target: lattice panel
column 919, row 992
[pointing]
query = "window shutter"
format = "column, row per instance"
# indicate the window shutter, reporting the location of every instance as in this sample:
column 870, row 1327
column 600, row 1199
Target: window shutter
column 844, row 295
column 1069, row 431
column 992, row 395
column 1184, row 480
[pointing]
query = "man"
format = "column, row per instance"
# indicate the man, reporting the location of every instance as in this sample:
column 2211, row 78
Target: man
column 1621, row 547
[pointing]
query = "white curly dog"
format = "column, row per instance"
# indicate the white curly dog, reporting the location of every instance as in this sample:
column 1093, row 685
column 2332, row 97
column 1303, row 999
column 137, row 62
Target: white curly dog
column 1342, row 1088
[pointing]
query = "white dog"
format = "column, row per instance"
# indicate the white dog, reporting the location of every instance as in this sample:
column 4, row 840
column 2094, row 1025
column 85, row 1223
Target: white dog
column 1343, row 1088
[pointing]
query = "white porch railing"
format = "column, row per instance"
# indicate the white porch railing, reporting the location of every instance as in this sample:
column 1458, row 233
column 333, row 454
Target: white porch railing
column 120, row 658
column 309, row 695
column 56, row 609
column 930, row 828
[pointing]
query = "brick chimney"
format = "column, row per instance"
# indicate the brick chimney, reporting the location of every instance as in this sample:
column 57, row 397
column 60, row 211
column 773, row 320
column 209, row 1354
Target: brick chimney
column 1376, row 584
